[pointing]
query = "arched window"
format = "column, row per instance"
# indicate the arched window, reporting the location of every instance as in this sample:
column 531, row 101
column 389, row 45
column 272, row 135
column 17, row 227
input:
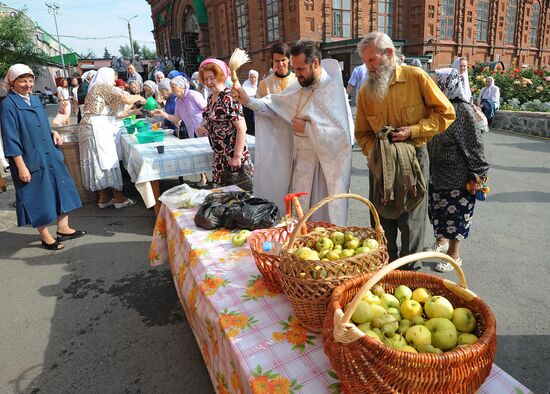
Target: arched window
column 534, row 28
column 242, row 24
column 341, row 18
column 447, row 19
column 511, row 21
column 385, row 16
column 482, row 20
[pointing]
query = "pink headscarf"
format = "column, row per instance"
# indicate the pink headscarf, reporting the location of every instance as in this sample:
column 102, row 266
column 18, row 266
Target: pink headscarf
column 222, row 66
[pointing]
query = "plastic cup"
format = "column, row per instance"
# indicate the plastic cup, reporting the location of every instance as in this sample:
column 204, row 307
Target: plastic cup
column 127, row 121
column 160, row 149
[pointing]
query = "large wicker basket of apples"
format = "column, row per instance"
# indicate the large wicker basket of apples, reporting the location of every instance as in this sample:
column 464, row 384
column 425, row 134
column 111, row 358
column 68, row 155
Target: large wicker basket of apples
column 312, row 265
column 401, row 331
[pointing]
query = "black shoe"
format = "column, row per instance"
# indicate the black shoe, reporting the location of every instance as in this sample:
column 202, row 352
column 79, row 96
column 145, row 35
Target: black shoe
column 56, row 245
column 75, row 234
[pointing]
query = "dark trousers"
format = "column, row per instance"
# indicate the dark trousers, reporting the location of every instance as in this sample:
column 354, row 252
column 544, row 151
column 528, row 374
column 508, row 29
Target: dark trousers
column 411, row 225
column 249, row 119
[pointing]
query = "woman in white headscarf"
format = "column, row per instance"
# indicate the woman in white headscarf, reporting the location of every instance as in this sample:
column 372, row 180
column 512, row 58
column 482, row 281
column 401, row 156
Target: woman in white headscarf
column 489, row 99
column 159, row 76
column 150, row 89
column 44, row 189
column 99, row 161
column 461, row 65
column 456, row 157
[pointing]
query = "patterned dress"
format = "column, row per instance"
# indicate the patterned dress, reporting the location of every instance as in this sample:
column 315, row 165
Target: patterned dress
column 222, row 133
column 97, row 130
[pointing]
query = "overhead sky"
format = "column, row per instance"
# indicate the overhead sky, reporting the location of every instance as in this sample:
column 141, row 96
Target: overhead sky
column 92, row 21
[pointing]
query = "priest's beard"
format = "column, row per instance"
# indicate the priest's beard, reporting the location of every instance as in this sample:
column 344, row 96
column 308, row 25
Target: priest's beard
column 378, row 82
column 305, row 82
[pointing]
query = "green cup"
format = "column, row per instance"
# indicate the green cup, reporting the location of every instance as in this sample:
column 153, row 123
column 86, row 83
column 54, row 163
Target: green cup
column 127, row 121
column 151, row 104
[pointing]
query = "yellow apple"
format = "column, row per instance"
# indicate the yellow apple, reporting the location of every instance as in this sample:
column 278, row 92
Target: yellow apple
column 371, row 298
column 466, row 339
column 439, row 306
column 408, row 348
column 410, row 309
column 370, row 243
column 378, row 290
column 464, row 320
column 418, row 336
column 421, row 295
column 397, row 341
column 444, row 334
column 324, row 243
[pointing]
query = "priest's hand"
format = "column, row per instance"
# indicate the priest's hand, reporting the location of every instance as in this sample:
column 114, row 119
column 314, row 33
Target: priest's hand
column 298, row 125
column 403, row 134
column 240, row 95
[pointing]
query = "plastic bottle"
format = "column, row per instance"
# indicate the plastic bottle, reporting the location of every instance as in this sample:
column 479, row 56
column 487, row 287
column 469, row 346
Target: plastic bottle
column 272, row 247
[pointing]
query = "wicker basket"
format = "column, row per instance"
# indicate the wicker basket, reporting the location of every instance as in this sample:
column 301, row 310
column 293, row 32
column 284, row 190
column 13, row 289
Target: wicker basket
column 365, row 365
column 301, row 282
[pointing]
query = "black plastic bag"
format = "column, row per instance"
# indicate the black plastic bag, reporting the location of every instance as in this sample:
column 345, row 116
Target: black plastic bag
column 241, row 177
column 236, row 210
column 211, row 212
column 251, row 214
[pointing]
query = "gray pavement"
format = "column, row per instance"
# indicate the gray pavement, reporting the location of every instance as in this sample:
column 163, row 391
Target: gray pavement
column 95, row 318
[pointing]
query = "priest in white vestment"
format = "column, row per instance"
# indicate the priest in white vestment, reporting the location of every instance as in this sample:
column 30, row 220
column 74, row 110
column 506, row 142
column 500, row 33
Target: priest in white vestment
column 316, row 113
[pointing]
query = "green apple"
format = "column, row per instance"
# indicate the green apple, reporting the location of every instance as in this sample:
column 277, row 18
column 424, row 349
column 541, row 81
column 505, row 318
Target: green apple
column 337, row 237
column 337, row 247
column 361, row 250
column 333, row 255
column 466, row 339
column 387, row 323
column 238, row 240
column 397, row 341
column 408, row 348
column 370, row 243
column 402, row 293
column 323, row 253
column 378, row 290
column 464, row 320
column 364, row 327
column 438, row 306
column 389, row 301
column 418, row 335
column 348, row 236
column 309, row 254
column 395, row 313
column 444, row 334
column 418, row 321
column 404, row 325
column 324, row 243
column 347, row 253
column 371, row 298
column 352, row 244
column 378, row 332
column 373, row 335
column 429, row 349
column 410, row 309
column 366, row 312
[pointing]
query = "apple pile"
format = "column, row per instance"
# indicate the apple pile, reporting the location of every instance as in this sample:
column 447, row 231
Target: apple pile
column 335, row 245
column 414, row 321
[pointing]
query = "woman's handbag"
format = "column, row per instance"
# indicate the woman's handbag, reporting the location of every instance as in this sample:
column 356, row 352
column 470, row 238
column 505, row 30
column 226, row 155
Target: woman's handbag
column 481, row 119
column 241, row 177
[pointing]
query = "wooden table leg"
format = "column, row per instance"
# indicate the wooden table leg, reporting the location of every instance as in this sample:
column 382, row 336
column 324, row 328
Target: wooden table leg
column 156, row 193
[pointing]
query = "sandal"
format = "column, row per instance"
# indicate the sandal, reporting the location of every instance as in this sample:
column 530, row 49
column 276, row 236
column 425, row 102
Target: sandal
column 445, row 266
column 73, row 235
column 105, row 204
column 128, row 203
column 55, row 245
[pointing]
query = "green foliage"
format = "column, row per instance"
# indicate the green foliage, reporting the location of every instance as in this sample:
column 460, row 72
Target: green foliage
column 90, row 54
column 106, row 54
column 144, row 52
column 17, row 46
column 523, row 85
column 147, row 53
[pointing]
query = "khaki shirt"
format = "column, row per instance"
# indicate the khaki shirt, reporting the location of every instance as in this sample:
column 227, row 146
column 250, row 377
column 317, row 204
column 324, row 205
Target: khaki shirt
column 413, row 100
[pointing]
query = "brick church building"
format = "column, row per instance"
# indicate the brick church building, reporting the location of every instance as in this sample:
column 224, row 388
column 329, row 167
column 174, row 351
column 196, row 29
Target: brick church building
column 515, row 32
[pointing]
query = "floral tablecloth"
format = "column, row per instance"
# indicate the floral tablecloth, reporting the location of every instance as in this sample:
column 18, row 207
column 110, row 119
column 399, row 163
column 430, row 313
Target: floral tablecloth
column 249, row 338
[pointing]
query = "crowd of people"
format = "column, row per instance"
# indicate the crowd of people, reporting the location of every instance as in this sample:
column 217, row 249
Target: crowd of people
column 419, row 124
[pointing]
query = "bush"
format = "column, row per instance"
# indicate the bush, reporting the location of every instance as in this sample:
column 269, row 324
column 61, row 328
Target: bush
column 532, row 106
column 528, row 87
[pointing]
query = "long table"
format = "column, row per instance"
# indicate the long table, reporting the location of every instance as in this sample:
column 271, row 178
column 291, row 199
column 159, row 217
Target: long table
column 181, row 158
column 248, row 336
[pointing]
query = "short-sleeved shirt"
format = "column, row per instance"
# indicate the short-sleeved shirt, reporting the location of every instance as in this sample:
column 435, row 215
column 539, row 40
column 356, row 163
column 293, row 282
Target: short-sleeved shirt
column 64, row 92
column 359, row 76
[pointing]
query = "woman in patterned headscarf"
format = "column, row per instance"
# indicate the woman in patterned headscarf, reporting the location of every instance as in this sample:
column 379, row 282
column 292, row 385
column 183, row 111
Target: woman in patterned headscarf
column 99, row 161
column 455, row 157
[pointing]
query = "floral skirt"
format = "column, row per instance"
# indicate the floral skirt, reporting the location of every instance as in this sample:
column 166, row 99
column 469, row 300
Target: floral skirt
column 451, row 212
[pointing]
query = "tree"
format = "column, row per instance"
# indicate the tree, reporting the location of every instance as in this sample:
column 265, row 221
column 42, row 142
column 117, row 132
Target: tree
column 147, row 53
column 106, row 54
column 17, row 46
column 127, row 53
column 88, row 55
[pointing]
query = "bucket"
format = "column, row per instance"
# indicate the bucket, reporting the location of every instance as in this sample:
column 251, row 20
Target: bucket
column 71, row 152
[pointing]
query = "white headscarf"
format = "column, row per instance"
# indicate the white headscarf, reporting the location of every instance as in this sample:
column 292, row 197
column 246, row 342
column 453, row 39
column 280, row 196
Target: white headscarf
column 448, row 80
column 247, row 85
column 491, row 92
column 464, row 79
column 164, row 84
column 88, row 75
column 104, row 75
column 15, row 72
column 153, row 86
column 158, row 73
column 180, row 81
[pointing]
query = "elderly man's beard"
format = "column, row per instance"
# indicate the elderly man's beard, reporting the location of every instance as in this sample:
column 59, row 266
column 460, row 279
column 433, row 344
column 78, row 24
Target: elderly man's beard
column 378, row 82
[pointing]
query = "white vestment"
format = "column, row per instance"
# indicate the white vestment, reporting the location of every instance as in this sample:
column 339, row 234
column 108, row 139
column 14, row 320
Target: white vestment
column 317, row 162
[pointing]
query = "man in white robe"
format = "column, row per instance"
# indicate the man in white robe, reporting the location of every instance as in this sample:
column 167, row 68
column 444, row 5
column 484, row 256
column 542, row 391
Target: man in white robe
column 316, row 112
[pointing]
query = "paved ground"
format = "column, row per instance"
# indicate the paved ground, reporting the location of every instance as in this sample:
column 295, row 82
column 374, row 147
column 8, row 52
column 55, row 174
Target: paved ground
column 96, row 318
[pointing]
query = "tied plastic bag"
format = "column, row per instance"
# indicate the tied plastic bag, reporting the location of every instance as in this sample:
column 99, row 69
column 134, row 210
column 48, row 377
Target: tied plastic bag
column 236, row 210
column 241, row 177
column 183, row 196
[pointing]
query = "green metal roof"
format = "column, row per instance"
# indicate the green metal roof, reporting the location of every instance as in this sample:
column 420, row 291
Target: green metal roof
column 69, row 58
